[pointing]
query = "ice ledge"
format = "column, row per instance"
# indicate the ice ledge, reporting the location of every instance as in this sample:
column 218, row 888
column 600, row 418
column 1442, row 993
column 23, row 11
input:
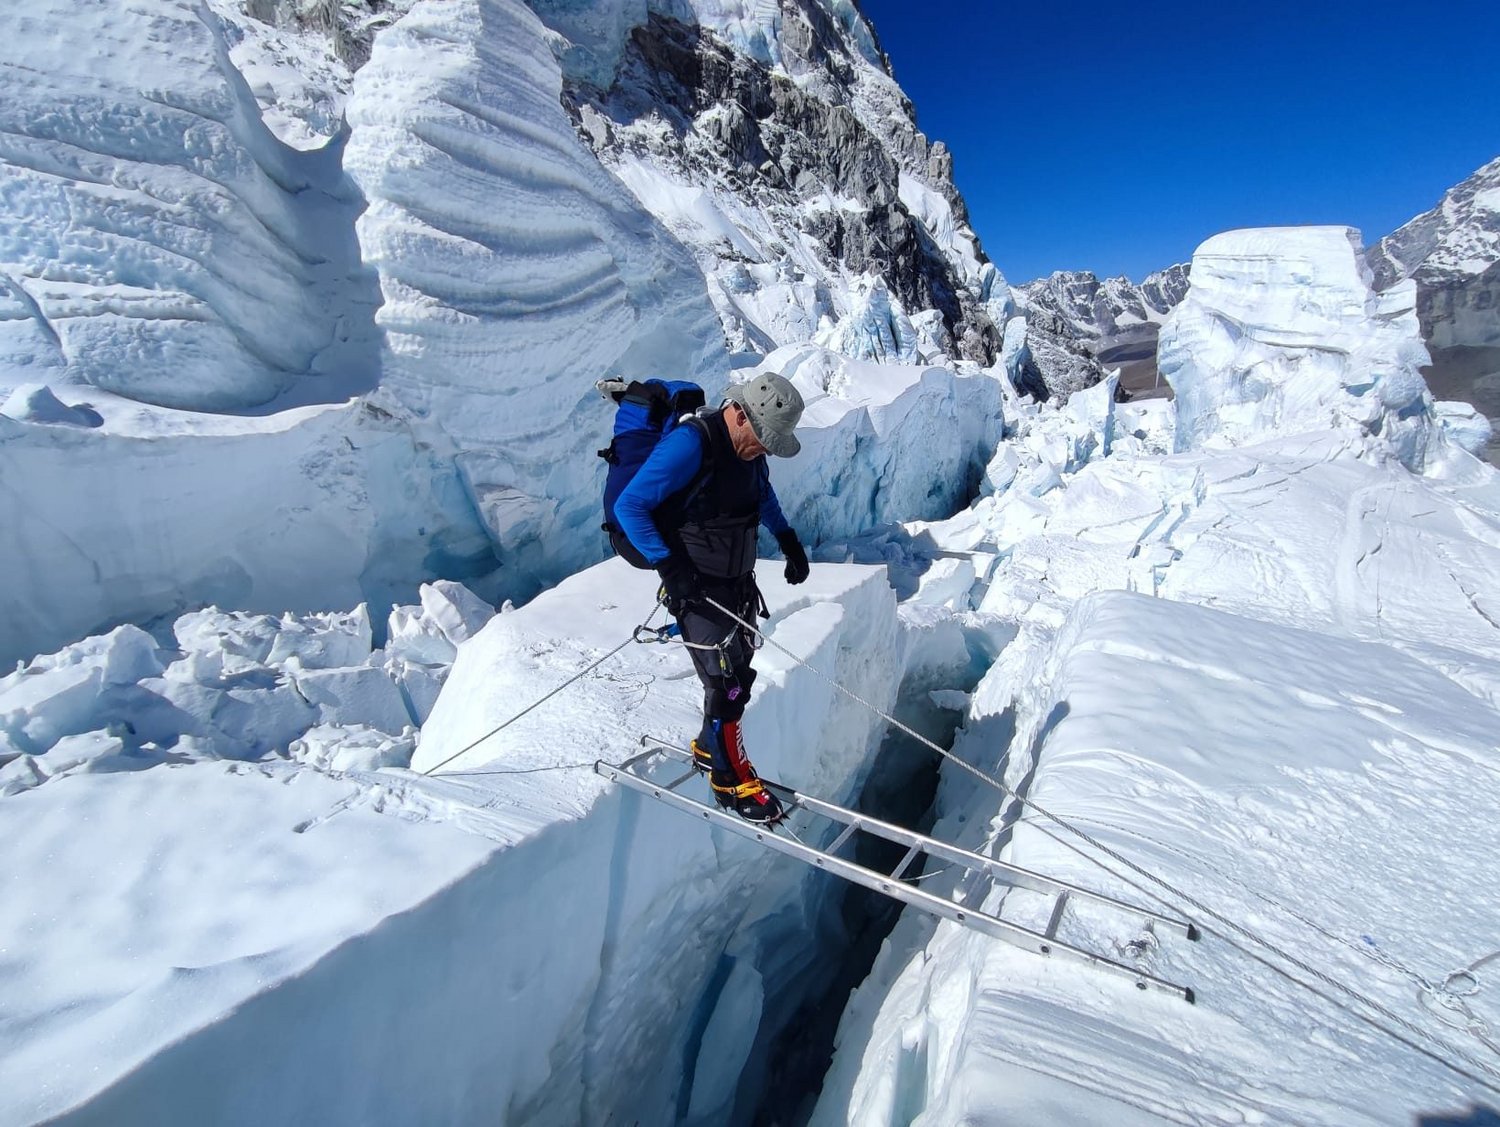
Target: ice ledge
column 192, row 957
column 1237, row 759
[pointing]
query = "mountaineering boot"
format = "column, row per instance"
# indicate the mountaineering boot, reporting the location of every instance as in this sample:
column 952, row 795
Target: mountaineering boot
column 735, row 784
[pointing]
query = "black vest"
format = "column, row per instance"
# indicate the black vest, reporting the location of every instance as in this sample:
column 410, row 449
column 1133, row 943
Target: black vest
column 719, row 518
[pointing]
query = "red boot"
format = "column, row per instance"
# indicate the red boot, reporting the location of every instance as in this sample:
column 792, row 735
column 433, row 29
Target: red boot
column 735, row 784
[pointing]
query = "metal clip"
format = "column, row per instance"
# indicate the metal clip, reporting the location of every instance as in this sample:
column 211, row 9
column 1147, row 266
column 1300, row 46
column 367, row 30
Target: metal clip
column 645, row 634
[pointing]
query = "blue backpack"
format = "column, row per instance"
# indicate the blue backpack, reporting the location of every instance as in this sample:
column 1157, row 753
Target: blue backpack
column 647, row 412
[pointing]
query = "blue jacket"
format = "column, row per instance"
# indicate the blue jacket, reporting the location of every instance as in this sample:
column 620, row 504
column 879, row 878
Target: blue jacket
column 671, row 466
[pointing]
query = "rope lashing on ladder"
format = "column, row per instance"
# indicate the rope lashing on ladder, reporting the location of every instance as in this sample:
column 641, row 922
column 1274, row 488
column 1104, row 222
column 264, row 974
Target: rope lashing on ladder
column 1488, row 1070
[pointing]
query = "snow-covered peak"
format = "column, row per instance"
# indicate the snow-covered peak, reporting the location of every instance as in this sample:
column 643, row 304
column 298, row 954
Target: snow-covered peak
column 1459, row 238
column 1452, row 253
column 1280, row 333
column 772, row 140
column 1078, row 326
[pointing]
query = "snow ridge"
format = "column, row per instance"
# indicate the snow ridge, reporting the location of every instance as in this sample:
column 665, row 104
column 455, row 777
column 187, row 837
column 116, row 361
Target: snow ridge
column 497, row 320
column 156, row 238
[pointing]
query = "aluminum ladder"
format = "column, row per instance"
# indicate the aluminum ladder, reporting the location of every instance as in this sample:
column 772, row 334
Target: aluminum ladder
column 896, row 884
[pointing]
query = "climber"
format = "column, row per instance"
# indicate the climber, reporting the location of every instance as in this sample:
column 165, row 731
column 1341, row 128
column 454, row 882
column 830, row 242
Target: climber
column 693, row 510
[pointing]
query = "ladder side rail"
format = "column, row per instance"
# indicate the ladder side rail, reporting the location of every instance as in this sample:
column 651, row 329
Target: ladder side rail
column 896, row 889
column 1010, row 874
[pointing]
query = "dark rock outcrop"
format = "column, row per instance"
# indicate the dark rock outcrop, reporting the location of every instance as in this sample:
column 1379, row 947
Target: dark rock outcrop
column 1077, row 326
column 791, row 143
column 1452, row 253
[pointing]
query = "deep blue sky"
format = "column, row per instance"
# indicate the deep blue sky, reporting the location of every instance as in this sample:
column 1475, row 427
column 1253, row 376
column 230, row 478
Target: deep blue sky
column 1115, row 137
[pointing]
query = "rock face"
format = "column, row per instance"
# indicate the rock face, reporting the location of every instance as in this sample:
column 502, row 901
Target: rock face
column 1452, row 253
column 1281, row 333
column 1077, row 326
column 772, row 140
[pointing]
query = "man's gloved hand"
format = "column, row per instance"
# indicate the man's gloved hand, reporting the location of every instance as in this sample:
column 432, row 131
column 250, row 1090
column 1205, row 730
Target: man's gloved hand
column 680, row 584
column 797, row 567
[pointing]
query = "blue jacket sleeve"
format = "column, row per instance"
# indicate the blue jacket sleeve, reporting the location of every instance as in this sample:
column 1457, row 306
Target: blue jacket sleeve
column 770, row 508
column 671, row 466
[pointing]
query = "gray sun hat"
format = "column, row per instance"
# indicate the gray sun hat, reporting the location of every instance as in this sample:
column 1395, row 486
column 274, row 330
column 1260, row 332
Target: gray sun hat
column 774, row 407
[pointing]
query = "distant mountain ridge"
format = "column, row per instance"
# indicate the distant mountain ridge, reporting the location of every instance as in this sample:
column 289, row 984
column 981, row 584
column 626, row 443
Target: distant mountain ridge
column 1453, row 254
column 1077, row 326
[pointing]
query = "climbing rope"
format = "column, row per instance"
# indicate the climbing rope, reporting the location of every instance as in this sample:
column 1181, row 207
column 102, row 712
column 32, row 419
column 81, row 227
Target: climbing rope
column 1493, row 1083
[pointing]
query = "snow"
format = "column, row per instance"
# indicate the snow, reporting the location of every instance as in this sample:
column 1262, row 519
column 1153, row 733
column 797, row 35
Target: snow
column 1281, row 332
column 1266, row 672
column 861, row 422
column 197, row 908
column 156, row 511
column 1247, row 639
column 490, row 315
column 1260, row 767
column 876, row 327
column 155, row 236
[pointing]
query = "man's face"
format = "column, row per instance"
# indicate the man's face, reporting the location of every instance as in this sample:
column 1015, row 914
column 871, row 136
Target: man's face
column 741, row 433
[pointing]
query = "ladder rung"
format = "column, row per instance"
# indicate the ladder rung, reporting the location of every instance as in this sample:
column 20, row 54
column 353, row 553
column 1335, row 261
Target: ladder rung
column 1057, row 914
column 843, row 837
column 905, row 861
column 677, row 782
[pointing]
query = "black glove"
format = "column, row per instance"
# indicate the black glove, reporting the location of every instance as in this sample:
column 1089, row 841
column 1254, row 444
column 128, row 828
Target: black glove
column 681, row 586
column 797, row 567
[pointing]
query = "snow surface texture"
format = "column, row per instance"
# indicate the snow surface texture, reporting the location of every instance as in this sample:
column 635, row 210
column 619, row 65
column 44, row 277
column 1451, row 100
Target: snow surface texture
column 1294, row 728
column 1294, row 702
column 208, row 937
column 157, row 238
column 152, row 512
column 233, row 685
column 1280, row 332
column 497, row 319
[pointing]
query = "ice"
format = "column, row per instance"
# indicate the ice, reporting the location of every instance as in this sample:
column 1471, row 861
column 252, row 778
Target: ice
column 861, row 422
column 59, row 694
column 1238, row 759
column 353, row 747
column 194, row 915
column 496, row 322
column 1465, row 425
column 156, row 235
column 1281, row 333
column 38, row 403
column 322, row 641
column 355, row 696
column 876, row 328
column 307, row 509
column 456, row 611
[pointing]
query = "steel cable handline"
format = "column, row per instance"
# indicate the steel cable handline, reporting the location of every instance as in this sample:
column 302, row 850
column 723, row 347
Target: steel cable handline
column 582, row 673
column 1493, row 1083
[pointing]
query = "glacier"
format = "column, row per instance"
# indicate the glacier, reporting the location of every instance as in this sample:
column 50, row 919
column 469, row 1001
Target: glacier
column 1165, row 647
column 448, row 435
column 281, row 847
column 242, row 934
